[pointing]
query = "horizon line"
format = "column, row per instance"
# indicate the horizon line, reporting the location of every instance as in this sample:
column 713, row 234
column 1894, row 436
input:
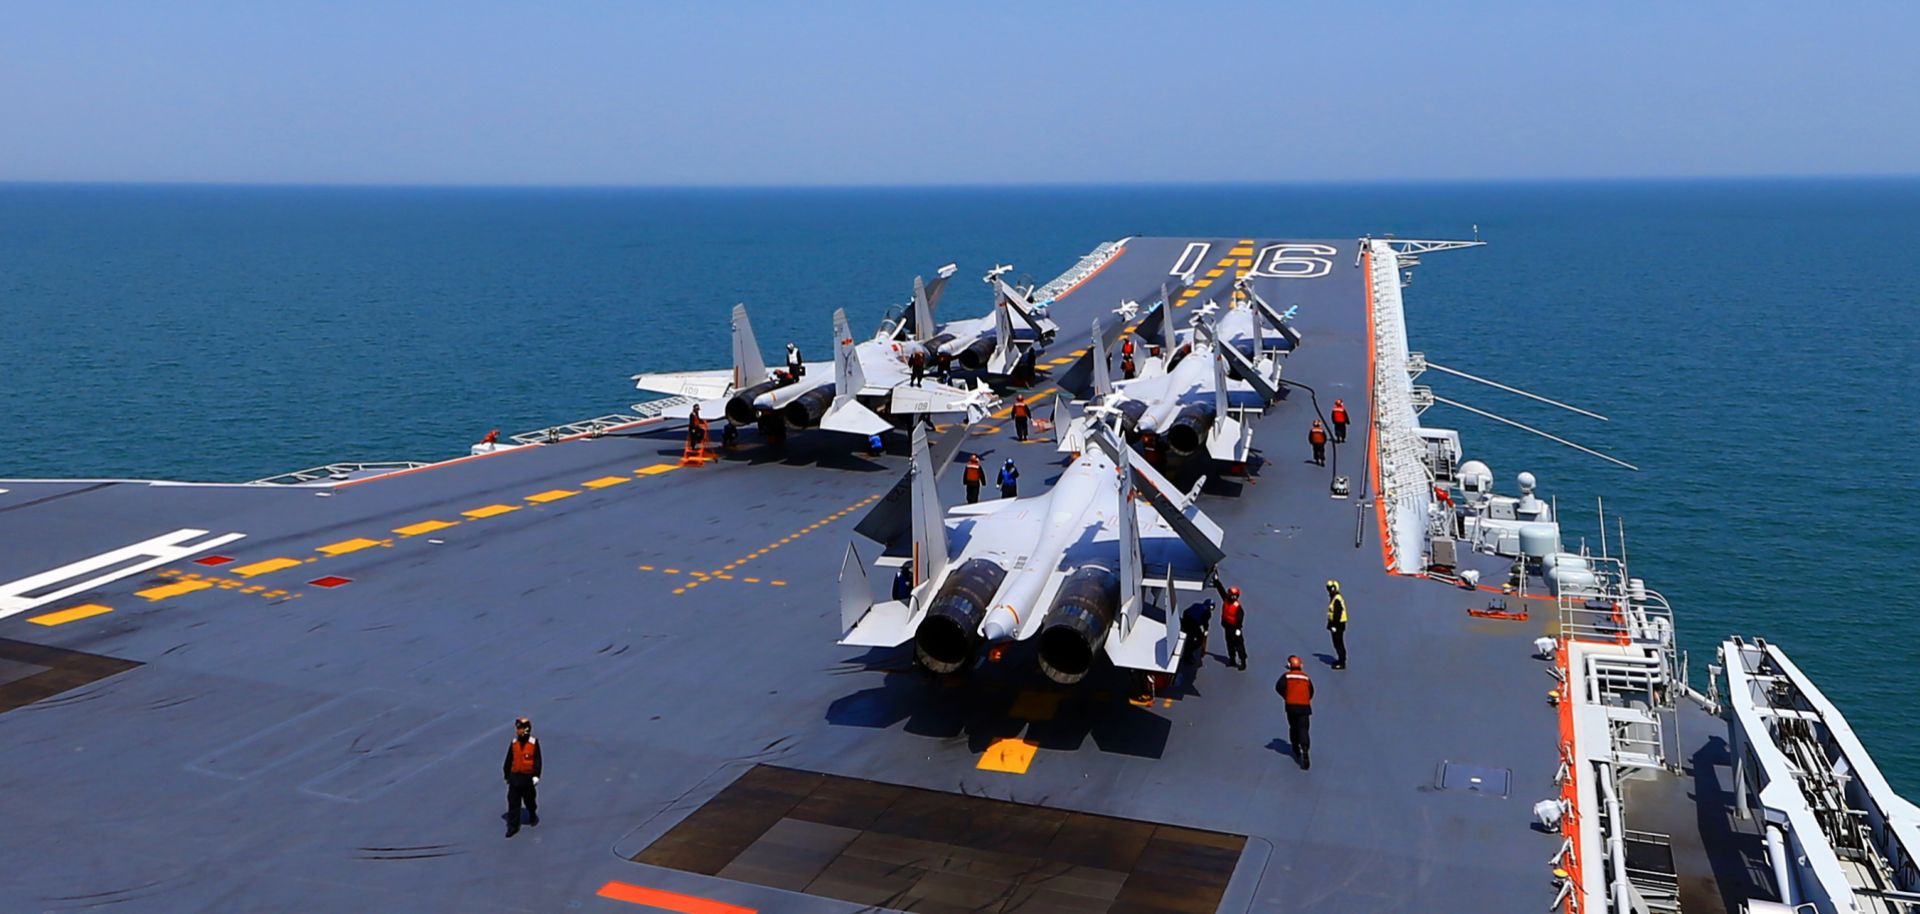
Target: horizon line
column 983, row 185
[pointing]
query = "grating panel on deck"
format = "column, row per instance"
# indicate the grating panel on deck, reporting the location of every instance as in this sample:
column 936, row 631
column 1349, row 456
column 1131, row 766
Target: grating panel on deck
column 931, row 852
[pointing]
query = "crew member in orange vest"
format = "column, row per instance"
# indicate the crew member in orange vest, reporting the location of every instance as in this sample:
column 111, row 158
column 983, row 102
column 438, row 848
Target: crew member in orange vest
column 696, row 431
column 1340, row 421
column 916, row 367
column 1020, row 414
column 975, row 477
column 1317, row 436
column 1126, row 346
column 1232, row 614
column 1297, row 690
column 1126, row 366
column 522, row 769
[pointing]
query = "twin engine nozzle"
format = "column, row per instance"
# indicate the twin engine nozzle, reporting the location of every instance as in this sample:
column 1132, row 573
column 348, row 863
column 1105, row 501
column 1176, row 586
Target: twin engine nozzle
column 1071, row 633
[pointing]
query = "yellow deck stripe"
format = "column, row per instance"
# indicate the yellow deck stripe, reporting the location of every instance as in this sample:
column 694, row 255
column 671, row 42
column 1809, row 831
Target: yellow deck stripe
column 175, row 589
column 70, row 615
column 552, row 495
column 1240, row 252
column 425, row 526
column 1215, row 272
column 490, row 511
column 259, row 568
column 656, row 469
column 345, row 546
column 605, row 481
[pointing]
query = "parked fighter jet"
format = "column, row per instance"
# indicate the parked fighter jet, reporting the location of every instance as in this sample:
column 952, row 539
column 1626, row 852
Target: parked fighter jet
column 994, row 344
column 1186, row 394
column 1068, row 567
column 866, row 391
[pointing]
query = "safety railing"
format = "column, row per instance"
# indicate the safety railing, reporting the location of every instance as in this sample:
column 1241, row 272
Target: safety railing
column 1404, row 482
column 1084, row 268
column 336, row 472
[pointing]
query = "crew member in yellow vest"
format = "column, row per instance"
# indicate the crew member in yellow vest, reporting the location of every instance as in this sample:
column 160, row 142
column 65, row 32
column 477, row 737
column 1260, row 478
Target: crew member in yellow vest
column 1337, row 623
column 522, row 770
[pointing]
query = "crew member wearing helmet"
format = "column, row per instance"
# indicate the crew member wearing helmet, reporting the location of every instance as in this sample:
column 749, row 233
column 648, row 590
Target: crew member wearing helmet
column 1337, row 624
column 522, row 770
column 1231, row 617
column 1297, row 691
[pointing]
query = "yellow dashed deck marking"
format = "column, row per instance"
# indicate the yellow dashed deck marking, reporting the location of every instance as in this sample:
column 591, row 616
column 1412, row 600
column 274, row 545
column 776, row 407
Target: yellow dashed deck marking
column 778, row 583
column 551, row 495
column 425, row 526
column 1240, row 252
column 175, row 589
column 489, row 511
column 74, row 614
column 259, row 568
column 1011, row 756
column 605, row 481
column 751, row 580
column 656, row 469
column 345, row 546
column 1215, row 272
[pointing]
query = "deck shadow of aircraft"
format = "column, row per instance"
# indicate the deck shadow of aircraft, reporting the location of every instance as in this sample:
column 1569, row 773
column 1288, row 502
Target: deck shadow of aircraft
column 1002, row 701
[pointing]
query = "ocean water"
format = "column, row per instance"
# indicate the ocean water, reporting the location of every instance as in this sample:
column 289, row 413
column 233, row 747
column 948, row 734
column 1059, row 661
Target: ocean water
column 1753, row 343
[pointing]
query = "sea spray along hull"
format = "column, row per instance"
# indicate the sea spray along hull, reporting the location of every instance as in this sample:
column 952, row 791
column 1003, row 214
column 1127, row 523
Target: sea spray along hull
column 309, row 716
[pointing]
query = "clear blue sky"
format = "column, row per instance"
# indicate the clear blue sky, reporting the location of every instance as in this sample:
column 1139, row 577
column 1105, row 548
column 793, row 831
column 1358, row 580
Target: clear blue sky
column 948, row 93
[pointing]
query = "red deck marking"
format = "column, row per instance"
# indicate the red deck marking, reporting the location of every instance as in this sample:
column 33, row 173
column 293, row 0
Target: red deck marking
column 669, row 901
column 213, row 560
column 332, row 580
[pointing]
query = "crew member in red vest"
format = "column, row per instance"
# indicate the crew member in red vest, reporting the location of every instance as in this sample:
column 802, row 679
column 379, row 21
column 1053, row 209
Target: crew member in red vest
column 1231, row 616
column 975, row 477
column 1340, row 421
column 522, row 770
column 1297, row 690
column 1317, row 436
column 696, row 430
column 1126, row 346
column 1020, row 415
column 1126, row 366
column 916, row 367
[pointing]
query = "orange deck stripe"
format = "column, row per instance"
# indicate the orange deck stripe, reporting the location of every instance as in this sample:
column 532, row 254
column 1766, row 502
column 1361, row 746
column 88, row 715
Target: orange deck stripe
column 669, row 901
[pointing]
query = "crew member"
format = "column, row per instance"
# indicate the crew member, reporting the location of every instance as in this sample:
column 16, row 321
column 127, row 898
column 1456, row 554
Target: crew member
column 1337, row 623
column 1126, row 346
column 493, row 437
column 1297, row 691
column 1126, row 366
column 1020, row 414
column 729, row 435
column 1340, row 422
column 1232, row 615
column 1317, row 436
column 975, row 477
column 944, row 361
column 917, row 366
column 696, row 430
column 876, row 445
column 903, row 583
column 795, row 366
column 522, row 770
column 1152, row 449
column 1009, row 480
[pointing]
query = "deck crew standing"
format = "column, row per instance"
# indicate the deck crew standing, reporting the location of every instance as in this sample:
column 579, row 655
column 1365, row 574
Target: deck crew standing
column 1337, row 623
column 916, row 367
column 1009, row 480
column 522, row 770
column 696, row 430
column 1020, row 415
column 1317, row 436
column 1232, row 616
column 795, row 366
column 1297, row 691
column 975, row 477
column 1340, row 422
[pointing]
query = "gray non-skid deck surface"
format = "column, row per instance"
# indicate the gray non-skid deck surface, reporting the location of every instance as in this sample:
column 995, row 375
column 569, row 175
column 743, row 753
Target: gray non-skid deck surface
column 339, row 749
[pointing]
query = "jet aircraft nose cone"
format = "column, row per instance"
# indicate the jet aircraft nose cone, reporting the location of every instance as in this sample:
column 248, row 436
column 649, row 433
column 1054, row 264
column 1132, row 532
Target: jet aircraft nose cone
column 1001, row 624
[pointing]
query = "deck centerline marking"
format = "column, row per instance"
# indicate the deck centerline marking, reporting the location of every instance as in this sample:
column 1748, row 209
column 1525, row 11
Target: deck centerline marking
column 353, row 545
column 606, row 481
column 165, row 591
column 551, row 495
column 425, row 526
column 259, row 568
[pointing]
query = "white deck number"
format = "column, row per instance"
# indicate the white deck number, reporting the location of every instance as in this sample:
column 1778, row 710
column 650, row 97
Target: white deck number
column 1294, row 261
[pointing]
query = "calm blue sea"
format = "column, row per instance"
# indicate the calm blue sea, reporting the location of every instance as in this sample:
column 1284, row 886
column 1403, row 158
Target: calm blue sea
column 1753, row 342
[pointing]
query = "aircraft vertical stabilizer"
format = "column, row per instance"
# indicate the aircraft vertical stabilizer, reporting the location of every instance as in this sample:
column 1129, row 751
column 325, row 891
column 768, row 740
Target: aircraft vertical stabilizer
column 847, row 414
column 1102, row 380
column 922, row 312
column 749, row 368
column 929, row 521
column 1005, row 354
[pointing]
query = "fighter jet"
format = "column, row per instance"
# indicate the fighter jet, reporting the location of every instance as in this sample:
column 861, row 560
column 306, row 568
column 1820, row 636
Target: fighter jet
column 1193, row 382
column 866, row 390
column 1069, row 567
column 993, row 344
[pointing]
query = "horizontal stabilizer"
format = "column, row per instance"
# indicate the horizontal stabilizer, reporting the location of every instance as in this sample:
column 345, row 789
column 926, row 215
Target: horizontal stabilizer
column 700, row 385
column 711, row 409
column 981, row 508
column 1194, row 527
column 850, row 416
column 1230, row 440
column 1078, row 378
column 1146, row 647
column 1266, row 385
column 888, row 624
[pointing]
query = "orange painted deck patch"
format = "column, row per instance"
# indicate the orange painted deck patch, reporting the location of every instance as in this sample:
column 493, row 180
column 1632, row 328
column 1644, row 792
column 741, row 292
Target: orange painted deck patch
column 669, row 901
